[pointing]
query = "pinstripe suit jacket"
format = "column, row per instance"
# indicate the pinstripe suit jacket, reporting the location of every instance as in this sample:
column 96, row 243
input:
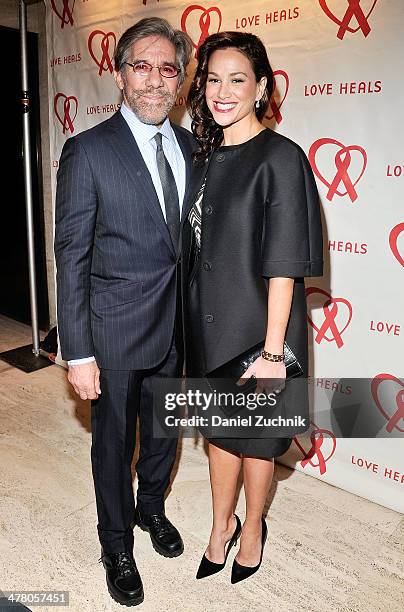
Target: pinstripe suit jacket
column 116, row 266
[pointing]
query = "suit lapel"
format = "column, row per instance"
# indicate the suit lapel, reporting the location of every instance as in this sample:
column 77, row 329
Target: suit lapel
column 128, row 152
column 186, row 149
column 195, row 173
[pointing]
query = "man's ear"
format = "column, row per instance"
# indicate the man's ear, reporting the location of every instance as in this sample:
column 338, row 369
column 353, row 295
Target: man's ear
column 119, row 79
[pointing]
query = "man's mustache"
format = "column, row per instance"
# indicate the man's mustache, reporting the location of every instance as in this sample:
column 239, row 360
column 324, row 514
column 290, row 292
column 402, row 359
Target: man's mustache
column 147, row 92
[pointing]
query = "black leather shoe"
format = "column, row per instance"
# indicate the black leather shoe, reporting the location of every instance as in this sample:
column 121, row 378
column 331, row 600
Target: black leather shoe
column 207, row 567
column 164, row 536
column 123, row 579
column 241, row 572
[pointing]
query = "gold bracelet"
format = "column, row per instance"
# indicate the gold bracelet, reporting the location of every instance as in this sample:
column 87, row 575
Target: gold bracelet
column 270, row 357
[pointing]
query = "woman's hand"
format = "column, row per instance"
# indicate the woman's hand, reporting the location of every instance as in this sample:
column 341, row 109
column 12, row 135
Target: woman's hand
column 270, row 375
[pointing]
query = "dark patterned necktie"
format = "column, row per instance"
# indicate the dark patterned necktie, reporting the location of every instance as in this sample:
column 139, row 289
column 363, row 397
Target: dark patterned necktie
column 170, row 192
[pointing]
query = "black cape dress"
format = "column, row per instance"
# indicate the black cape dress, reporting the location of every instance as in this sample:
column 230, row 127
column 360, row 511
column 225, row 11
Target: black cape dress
column 260, row 217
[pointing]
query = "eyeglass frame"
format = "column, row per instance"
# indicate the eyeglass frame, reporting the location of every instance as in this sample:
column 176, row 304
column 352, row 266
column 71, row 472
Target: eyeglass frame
column 158, row 67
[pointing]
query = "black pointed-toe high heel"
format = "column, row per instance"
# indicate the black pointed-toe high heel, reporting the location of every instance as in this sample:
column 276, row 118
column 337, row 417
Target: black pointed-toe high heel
column 208, row 568
column 241, row 572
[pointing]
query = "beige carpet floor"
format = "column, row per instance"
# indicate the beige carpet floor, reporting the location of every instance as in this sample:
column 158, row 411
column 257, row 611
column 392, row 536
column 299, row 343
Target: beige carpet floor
column 327, row 550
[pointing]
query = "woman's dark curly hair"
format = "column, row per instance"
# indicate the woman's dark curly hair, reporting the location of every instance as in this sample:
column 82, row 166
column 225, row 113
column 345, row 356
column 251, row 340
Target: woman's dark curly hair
column 205, row 129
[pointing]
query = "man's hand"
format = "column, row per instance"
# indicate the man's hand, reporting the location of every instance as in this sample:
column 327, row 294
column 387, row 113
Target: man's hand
column 85, row 380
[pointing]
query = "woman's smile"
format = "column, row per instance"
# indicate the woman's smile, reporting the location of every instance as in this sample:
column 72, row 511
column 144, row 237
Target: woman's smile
column 223, row 107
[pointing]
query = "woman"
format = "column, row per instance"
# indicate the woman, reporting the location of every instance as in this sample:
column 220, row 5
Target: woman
column 252, row 235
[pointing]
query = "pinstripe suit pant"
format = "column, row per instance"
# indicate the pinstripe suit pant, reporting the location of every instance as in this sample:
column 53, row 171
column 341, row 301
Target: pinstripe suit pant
column 125, row 396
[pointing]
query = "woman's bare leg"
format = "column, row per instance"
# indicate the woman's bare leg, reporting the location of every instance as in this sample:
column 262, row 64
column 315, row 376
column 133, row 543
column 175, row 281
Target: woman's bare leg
column 258, row 475
column 224, row 468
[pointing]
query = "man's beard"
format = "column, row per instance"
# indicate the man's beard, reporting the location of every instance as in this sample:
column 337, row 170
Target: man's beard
column 147, row 112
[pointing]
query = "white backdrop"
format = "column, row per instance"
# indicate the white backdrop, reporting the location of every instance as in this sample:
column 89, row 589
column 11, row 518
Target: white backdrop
column 339, row 94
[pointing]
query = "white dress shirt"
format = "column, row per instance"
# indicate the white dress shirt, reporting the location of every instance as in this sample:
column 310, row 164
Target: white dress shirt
column 144, row 134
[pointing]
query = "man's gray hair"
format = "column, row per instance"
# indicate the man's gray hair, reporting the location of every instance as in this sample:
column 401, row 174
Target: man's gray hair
column 154, row 26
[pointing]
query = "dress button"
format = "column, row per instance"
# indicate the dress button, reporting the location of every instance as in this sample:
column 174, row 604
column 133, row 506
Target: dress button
column 207, row 266
column 209, row 209
column 209, row 318
column 220, row 157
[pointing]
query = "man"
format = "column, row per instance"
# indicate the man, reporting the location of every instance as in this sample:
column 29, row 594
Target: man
column 120, row 191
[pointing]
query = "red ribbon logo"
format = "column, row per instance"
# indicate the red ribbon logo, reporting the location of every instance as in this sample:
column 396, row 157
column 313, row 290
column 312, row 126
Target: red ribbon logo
column 394, row 234
column 204, row 22
column 354, row 11
column 317, row 438
column 342, row 162
column 395, row 418
column 330, row 309
column 105, row 62
column 275, row 106
column 66, row 118
column 66, row 16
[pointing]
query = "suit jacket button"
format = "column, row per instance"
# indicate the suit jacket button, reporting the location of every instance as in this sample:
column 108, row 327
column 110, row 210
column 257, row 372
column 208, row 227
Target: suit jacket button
column 209, row 209
column 220, row 157
column 207, row 266
column 209, row 318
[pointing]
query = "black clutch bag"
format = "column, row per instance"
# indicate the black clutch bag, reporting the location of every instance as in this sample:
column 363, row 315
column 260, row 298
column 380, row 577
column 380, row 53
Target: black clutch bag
column 234, row 369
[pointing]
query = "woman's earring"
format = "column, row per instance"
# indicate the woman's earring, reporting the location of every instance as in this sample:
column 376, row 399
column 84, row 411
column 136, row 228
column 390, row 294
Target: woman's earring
column 257, row 103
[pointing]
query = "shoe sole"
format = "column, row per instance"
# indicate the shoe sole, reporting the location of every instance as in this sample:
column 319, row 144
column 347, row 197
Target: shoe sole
column 156, row 547
column 133, row 602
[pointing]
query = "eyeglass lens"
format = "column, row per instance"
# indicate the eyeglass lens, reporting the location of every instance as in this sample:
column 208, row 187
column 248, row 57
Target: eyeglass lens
column 144, row 68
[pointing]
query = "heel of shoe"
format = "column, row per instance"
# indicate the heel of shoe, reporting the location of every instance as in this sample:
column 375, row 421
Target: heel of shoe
column 237, row 531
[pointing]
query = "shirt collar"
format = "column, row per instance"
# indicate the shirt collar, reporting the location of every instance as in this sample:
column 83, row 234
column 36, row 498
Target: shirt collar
column 144, row 132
